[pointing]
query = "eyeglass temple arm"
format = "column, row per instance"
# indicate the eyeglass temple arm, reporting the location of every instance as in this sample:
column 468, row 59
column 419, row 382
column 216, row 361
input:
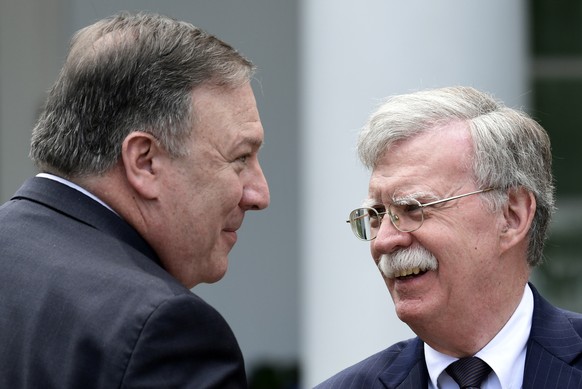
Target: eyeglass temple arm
column 363, row 216
column 455, row 197
column 355, row 218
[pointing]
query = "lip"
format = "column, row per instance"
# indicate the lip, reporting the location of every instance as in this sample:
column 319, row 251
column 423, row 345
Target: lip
column 412, row 283
column 410, row 277
column 231, row 228
column 231, row 235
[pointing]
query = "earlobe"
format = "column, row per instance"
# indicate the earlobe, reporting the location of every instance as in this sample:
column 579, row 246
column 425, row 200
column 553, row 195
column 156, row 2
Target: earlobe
column 140, row 152
column 518, row 215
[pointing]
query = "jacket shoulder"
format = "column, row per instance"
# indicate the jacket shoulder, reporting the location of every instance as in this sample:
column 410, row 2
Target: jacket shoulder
column 365, row 374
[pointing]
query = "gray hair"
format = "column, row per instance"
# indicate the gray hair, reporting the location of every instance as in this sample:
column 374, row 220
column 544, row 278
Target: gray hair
column 511, row 150
column 127, row 73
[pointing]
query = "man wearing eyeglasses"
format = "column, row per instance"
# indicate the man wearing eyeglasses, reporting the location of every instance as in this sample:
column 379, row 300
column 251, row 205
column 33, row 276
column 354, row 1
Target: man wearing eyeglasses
column 459, row 204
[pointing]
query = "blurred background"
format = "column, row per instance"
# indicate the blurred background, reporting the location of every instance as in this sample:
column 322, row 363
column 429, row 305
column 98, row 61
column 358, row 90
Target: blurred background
column 302, row 294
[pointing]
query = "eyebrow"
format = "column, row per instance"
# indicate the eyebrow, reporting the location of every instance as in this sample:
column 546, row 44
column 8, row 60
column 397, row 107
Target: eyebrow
column 255, row 142
column 370, row 203
column 414, row 196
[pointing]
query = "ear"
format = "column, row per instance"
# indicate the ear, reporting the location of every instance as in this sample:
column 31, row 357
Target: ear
column 518, row 214
column 141, row 156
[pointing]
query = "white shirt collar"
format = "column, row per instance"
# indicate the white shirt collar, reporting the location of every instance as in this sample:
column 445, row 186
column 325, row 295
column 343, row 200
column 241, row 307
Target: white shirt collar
column 505, row 353
column 74, row 186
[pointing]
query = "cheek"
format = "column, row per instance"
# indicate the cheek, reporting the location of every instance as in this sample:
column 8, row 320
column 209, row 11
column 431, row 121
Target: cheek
column 465, row 260
column 231, row 192
column 218, row 202
column 218, row 191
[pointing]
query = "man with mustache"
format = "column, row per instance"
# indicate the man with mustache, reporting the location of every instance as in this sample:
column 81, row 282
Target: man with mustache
column 459, row 203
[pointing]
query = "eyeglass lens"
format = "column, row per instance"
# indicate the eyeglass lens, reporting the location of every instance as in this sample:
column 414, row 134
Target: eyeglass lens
column 361, row 220
column 405, row 217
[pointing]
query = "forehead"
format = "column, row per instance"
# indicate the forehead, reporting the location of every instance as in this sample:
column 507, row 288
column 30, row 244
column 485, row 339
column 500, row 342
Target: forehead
column 434, row 160
column 222, row 113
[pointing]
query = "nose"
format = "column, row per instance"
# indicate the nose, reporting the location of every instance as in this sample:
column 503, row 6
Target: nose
column 256, row 191
column 389, row 239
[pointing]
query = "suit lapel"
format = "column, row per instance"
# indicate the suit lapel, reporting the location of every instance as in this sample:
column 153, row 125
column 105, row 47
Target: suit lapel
column 408, row 370
column 554, row 348
column 416, row 378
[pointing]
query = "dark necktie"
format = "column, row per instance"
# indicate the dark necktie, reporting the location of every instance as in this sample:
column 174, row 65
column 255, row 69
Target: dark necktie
column 469, row 372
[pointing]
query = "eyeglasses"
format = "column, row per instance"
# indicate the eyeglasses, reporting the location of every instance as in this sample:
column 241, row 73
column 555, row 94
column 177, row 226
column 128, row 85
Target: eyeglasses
column 406, row 216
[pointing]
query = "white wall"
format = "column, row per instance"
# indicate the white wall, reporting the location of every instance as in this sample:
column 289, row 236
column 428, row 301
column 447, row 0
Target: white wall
column 30, row 35
column 353, row 55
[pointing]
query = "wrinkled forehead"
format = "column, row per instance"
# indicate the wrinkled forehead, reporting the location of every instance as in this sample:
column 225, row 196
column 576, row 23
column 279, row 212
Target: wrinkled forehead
column 390, row 140
column 427, row 161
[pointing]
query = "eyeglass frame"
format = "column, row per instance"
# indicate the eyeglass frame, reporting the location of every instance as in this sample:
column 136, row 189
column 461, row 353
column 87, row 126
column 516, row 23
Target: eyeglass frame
column 421, row 207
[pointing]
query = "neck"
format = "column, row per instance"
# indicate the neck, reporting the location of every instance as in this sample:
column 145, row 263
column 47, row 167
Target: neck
column 465, row 336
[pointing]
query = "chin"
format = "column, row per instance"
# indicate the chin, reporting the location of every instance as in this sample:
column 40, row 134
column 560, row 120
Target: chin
column 410, row 312
column 217, row 272
column 206, row 279
column 207, row 275
column 215, row 278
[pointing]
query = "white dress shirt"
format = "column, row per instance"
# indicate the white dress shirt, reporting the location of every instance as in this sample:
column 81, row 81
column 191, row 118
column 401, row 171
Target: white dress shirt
column 505, row 353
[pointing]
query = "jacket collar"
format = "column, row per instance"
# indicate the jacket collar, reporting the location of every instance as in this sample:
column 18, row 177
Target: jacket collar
column 76, row 205
column 555, row 344
column 556, row 330
column 408, row 369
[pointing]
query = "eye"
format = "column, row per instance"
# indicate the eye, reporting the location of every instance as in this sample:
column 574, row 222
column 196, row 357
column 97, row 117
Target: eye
column 379, row 208
column 243, row 158
column 412, row 207
column 376, row 217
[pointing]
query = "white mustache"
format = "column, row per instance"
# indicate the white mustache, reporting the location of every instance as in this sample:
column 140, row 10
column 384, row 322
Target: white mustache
column 405, row 261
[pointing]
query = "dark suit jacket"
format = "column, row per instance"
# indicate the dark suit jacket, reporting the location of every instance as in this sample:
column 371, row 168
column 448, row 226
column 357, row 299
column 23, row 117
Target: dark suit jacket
column 553, row 358
column 84, row 303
